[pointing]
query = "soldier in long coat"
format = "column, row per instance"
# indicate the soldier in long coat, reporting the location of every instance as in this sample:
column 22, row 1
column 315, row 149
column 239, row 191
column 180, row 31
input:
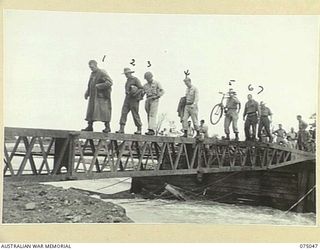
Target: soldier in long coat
column 99, row 93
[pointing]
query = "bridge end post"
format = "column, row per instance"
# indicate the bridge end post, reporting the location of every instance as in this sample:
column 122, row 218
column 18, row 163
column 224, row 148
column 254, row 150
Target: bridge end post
column 71, row 154
column 64, row 154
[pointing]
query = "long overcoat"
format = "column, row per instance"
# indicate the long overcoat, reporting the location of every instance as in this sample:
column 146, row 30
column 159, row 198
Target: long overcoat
column 99, row 93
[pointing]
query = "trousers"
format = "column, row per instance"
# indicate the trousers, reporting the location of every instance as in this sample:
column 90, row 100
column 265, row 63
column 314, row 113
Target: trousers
column 292, row 144
column 264, row 123
column 231, row 116
column 190, row 111
column 303, row 137
column 251, row 121
column 151, row 107
column 130, row 104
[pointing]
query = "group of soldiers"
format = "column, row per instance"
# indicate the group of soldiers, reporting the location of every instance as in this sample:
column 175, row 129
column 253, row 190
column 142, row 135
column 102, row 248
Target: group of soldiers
column 99, row 107
column 99, row 104
column 99, row 94
column 255, row 114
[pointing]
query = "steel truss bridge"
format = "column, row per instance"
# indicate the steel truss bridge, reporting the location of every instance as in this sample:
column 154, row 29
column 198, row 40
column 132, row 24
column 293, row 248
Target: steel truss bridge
column 52, row 155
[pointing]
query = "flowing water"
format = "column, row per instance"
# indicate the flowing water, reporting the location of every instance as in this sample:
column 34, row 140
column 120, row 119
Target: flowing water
column 165, row 211
column 172, row 211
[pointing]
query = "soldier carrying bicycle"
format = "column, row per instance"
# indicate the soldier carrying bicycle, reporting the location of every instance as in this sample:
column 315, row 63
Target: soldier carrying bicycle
column 231, row 114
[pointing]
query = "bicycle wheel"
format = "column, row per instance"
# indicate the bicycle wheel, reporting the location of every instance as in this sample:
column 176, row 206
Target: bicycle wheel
column 216, row 114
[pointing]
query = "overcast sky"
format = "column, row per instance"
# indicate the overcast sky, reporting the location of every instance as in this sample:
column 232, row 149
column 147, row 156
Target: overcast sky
column 46, row 56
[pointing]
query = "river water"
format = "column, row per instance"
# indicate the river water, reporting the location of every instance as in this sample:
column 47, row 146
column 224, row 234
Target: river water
column 165, row 211
column 172, row 211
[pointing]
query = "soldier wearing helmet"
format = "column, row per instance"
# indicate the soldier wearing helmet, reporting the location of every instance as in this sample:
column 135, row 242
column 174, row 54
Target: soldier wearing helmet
column 153, row 91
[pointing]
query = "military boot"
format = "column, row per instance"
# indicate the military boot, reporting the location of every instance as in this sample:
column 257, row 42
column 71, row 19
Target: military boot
column 138, row 132
column 89, row 128
column 150, row 132
column 237, row 136
column 185, row 133
column 227, row 137
column 107, row 127
column 121, row 130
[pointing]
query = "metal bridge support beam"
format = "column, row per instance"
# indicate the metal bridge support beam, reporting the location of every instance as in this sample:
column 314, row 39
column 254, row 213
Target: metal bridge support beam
column 64, row 152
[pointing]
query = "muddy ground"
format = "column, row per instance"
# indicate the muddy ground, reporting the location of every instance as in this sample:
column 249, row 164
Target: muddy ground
column 38, row 203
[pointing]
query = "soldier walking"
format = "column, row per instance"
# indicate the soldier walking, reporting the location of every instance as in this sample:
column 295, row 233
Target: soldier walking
column 153, row 91
column 134, row 93
column 99, row 94
column 191, row 107
column 231, row 115
column 264, row 122
column 250, row 116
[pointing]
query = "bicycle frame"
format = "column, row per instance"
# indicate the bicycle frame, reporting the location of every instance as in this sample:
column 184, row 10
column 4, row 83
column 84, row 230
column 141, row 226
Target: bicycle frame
column 223, row 97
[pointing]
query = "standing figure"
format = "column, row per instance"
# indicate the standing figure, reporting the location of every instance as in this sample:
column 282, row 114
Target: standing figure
column 231, row 115
column 292, row 137
column 99, row 93
column 153, row 91
column 203, row 129
column 250, row 116
column 303, row 134
column 134, row 94
column 190, row 130
column 264, row 122
column 191, row 107
column 281, row 135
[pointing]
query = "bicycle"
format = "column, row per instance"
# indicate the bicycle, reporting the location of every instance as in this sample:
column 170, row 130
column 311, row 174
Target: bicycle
column 217, row 110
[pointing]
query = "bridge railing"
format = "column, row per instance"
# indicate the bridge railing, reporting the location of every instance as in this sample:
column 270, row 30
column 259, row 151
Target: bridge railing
column 57, row 153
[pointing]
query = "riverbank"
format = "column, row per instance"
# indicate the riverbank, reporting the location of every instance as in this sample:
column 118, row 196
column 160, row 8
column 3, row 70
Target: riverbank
column 38, row 203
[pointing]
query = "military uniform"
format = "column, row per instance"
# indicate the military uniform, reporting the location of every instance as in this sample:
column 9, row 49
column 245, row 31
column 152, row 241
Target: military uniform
column 131, row 102
column 99, row 105
column 203, row 129
column 231, row 115
column 281, row 135
column 251, row 112
column 191, row 108
column 190, row 131
column 153, row 92
column 303, row 135
column 264, row 122
column 292, row 137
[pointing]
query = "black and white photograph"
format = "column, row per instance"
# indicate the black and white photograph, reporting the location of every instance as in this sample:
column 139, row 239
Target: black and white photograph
column 159, row 118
